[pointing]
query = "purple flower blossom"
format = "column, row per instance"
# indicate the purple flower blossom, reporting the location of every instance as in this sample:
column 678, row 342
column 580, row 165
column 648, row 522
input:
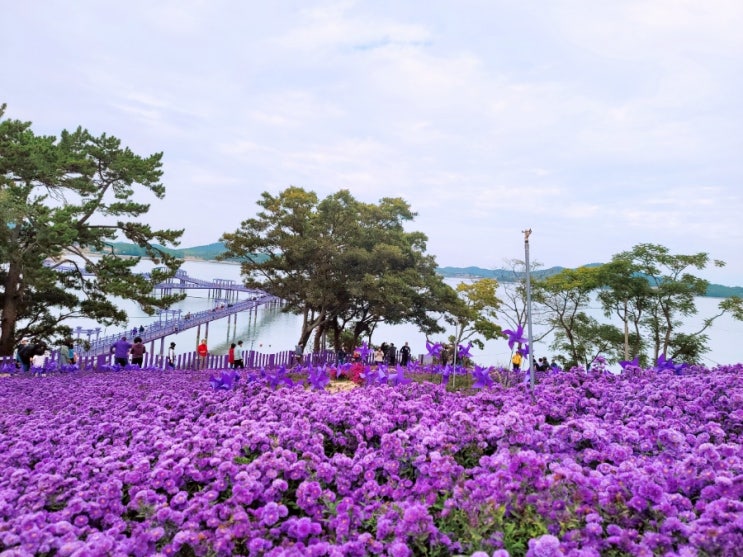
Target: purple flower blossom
column 142, row 464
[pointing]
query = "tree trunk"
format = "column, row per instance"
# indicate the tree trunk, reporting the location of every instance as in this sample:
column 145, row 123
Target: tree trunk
column 13, row 288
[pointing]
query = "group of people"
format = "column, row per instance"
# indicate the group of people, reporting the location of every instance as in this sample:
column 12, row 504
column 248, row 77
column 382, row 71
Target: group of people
column 236, row 355
column 29, row 353
column 388, row 354
column 541, row 364
column 122, row 350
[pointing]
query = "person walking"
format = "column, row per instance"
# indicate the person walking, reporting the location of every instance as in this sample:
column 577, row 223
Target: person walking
column 231, row 356
column 138, row 351
column 203, row 351
column 170, row 361
column 239, row 356
column 120, row 350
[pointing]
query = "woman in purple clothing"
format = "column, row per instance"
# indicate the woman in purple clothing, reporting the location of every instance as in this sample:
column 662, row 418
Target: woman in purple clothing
column 120, row 350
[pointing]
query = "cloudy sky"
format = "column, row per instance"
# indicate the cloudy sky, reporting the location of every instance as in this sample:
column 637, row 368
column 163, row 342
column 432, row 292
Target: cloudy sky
column 599, row 125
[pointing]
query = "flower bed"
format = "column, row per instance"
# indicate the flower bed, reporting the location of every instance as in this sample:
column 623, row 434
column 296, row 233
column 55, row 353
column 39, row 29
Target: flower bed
column 143, row 463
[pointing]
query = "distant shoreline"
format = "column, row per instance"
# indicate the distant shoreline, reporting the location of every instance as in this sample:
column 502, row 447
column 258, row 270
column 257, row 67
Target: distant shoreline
column 207, row 253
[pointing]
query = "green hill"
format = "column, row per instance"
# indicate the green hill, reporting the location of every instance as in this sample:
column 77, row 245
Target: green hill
column 209, row 252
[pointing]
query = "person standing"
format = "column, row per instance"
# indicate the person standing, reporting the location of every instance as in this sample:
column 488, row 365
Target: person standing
column 138, row 351
column 203, row 351
column 17, row 354
column 392, row 354
column 120, row 350
column 231, row 356
column 298, row 351
column 66, row 353
column 40, row 358
column 444, row 355
column 239, row 356
column 378, row 356
column 405, row 355
column 341, row 356
column 170, row 361
column 516, row 361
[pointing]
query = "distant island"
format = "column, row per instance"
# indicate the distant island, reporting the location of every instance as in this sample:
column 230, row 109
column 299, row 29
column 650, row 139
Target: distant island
column 209, row 252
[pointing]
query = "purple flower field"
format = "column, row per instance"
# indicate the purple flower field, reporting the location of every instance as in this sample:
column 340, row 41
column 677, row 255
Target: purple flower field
column 159, row 463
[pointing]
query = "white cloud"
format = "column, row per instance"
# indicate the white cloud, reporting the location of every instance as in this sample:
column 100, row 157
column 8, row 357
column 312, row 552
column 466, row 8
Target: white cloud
column 598, row 124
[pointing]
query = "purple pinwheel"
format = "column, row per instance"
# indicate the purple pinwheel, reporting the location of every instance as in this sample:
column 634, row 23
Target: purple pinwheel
column 481, row 376
column 464, row 351
column 279, row 377
column 446, row 371
column 342, row 370
column 631, row 364
column 364, row 351
column 319, row 378
column 524, row 350
column 226, row 381
column 400, row 378
column 668, row 365
column 515, row 337
column 434, row 350
column 382, row 374
column 369, row 375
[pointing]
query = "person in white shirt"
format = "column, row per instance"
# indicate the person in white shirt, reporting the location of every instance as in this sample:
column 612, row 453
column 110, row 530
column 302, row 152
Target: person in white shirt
column 239, row 356
column 171, row 356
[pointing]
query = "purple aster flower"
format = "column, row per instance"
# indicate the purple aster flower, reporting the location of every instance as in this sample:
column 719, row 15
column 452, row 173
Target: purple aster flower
column 544, row 546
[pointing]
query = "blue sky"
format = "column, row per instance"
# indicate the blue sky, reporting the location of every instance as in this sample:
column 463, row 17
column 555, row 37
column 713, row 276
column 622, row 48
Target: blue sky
column 599, row 125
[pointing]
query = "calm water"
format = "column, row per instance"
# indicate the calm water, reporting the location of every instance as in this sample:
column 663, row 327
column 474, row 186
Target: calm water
column 270, row 330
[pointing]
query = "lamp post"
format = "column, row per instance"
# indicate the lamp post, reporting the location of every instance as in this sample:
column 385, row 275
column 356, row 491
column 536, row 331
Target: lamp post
column 527, row 233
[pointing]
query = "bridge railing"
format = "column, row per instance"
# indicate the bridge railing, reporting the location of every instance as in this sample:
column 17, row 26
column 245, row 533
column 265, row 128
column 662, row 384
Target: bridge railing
column 158, row 330
column 186, row 360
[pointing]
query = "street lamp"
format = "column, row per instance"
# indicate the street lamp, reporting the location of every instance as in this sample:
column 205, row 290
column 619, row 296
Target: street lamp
column 527, row 233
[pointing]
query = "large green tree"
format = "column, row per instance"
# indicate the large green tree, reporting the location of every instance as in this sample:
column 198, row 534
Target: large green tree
column 60, row 199
column 654, row 289
column 342, row 264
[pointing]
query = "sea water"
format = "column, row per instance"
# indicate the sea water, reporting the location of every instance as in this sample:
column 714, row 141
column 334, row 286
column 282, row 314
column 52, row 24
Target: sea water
column 270, row 330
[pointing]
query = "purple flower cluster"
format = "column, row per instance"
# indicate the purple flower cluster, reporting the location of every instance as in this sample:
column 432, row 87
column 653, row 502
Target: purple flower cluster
column 139, row 463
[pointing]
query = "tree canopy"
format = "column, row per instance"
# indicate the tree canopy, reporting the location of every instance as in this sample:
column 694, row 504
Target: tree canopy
column 342, row 264
column 60, row 198
column 649, row 289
